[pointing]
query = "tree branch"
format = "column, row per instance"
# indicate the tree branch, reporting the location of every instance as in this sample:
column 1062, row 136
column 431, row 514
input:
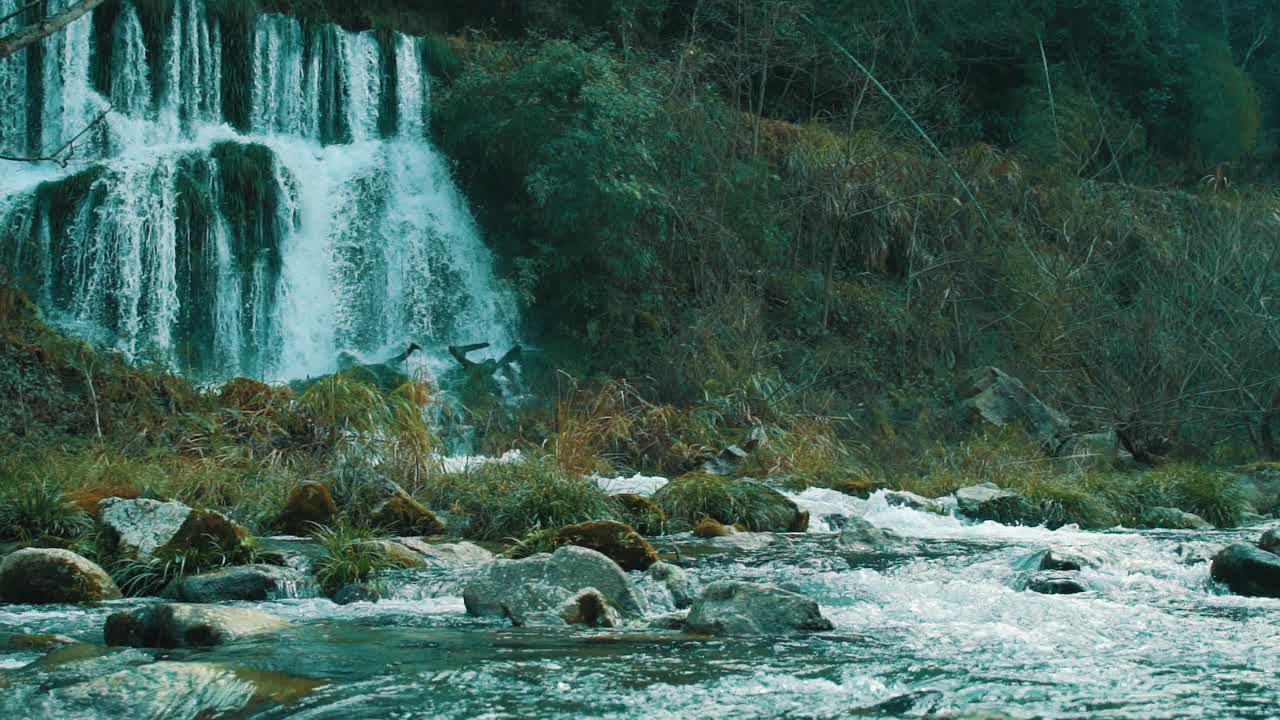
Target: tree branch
column 33, row 34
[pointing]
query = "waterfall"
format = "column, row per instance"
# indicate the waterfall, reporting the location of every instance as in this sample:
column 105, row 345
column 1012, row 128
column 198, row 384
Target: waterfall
column 260, row 197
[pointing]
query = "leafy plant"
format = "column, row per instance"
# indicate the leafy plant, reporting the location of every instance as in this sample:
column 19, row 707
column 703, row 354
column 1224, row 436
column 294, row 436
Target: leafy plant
column 36, row 510
column 350, row 556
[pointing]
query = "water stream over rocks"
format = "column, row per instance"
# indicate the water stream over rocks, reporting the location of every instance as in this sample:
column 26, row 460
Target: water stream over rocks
column 940, row 632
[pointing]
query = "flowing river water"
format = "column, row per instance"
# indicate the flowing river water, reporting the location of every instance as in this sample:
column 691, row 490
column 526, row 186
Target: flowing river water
column 939, row 632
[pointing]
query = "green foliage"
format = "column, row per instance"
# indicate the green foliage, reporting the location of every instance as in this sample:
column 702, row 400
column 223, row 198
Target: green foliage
column 1226, row 110
column 350, row 556
column 150, row 575
column 696, row 496
column 510, row 500
column 30, row 510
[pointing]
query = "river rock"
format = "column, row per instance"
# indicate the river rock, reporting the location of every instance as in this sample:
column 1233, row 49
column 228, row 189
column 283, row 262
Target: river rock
column 145, row 527
column 158, row 690
column 40, row 576
column 358, row 592
column 254, row 583
column 708, row 528
column 588, row 607
column 676, row 581
column 991, row 502
column 396, row 553
column 1248, row 570
column 1172, row 519
column 181, row 625
column 1270, row 541
column 458, row 554
column 723, row 500
column 620, row 543
column 1054, row 583
column 21, row 642
column 1002, row 400
column 731, row 607
column 903, row 498
column 862, row 538
column 498, row 585
column 308, row 507
column 400, row 514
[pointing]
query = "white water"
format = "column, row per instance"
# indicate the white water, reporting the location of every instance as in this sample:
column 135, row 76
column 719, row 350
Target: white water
column 346, row 237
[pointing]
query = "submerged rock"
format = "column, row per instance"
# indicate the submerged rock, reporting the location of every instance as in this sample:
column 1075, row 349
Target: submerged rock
column 708, row 528
column 620, row 543
column 181, row 625
column 1054, row 583
column 1248, row 570
column 20, row 642
column 41, row 576
column 991, row 502
column 1172, row 519
column 309, row 506
column 731, row 607
column 505, row 584
column 903, row 498
column 540, row 604
column 254, row 583
column 145, row 527
column 676, row 581
column 396, row 553
column 357, row 592
column 159, row 690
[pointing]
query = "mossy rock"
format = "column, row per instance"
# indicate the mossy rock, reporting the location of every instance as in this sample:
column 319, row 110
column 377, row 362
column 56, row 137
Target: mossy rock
column 858, row 487
column 641, row 513
column 708, row 528
column 690, row 498
column 401, row 514
column 210, row 530
column 310, row 505
column 43, row 576
column 620, row 543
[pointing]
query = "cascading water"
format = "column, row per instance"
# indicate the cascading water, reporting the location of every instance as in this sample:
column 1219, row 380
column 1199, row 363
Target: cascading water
column 259, row 196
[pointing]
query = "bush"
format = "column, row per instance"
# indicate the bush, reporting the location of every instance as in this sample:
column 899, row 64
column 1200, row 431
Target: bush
column 40, row 510
column 510, row 500
column 697, row 496
column 350, row 556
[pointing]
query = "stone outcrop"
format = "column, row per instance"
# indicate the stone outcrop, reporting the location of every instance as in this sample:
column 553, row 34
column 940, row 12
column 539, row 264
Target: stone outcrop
column 1172, row 519
column 990, row 502
column 1002, row 400
column 620, row 543
column 506, row 585
column 1248, row 570
column 40, row 576
column 147, row 528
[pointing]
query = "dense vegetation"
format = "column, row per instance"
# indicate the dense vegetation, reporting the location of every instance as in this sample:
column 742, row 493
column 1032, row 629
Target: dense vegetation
column 805, row 217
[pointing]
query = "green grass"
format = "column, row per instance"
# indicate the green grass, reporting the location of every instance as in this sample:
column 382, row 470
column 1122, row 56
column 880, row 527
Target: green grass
column 693, row 497
column 509, row 500
column 38, row 509
column 349, row 556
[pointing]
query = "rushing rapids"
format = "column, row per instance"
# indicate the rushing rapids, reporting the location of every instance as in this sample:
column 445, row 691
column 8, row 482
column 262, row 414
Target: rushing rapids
column 236, row 194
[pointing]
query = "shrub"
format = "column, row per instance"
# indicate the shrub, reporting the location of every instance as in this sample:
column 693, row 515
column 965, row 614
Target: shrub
column 152, row 574
column 350, row 556
column 40, row 510
column 510, row 500
column 697, row 496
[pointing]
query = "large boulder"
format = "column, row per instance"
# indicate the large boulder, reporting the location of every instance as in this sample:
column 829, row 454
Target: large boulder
column 910, row 500
column 40, row 576
column 731, row 607
column 174, row 625
column 1172, row 519
column 505, row 584
column 1002, row 400
column 1248, row 570
column 254, row 583
column 1054, row 583
column 620, row 543
column 148, row 528
column 990, row 502
column 310, row 505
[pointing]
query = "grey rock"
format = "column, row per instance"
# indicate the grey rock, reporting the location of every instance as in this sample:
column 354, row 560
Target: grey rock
column 357, row 592
column 247, row 582
column 1002, row 400
column 499, row 585
column 676, row 581
column 668, row 621
column 1172, row 519
column 902, row 498
column 1054, row 583
column 588, row 607
column 44, row 575
column 731, row 607
column 181, row 625
column 860, row 537
column 158, row 690
column 1270, row 541
column 1248, row 570
column 990, row 502
column 448, row 554
column 141, row 526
